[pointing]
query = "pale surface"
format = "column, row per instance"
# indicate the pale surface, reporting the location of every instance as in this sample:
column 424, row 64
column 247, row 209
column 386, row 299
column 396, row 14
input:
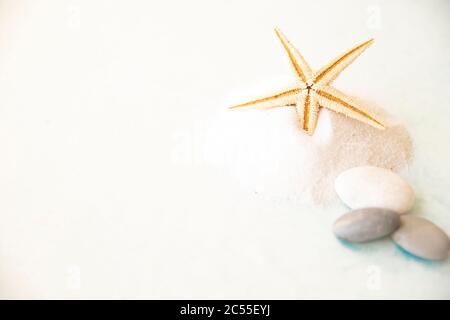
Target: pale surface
column 104, row 111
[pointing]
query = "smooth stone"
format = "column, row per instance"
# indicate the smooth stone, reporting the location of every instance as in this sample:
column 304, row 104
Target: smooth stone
column 367, row 186
column 367, row 224
column 422, row 238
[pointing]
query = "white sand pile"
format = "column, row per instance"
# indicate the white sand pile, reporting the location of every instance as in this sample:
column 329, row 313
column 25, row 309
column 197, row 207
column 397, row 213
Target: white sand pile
column 268, row 154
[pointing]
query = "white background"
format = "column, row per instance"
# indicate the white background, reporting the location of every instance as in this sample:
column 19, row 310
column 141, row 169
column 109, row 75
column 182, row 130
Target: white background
column 103, row 110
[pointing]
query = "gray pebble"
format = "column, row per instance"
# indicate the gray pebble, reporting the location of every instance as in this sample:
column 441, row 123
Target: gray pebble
column 366, row 224
column 422, row 238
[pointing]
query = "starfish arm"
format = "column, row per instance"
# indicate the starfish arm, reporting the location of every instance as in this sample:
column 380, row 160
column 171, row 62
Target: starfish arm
column 285, row 98
column 331, row 98
column 301, row 67
column 308, row 111
column 330, row 71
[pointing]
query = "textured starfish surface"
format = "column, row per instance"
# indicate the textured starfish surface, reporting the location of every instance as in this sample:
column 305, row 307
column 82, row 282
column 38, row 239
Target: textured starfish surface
column 313, row 90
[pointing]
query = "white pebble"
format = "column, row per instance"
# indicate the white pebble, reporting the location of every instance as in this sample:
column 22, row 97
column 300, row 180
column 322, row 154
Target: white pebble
column 368, row 186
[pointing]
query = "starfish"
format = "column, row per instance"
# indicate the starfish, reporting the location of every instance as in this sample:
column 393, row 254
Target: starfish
column 313, row 91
